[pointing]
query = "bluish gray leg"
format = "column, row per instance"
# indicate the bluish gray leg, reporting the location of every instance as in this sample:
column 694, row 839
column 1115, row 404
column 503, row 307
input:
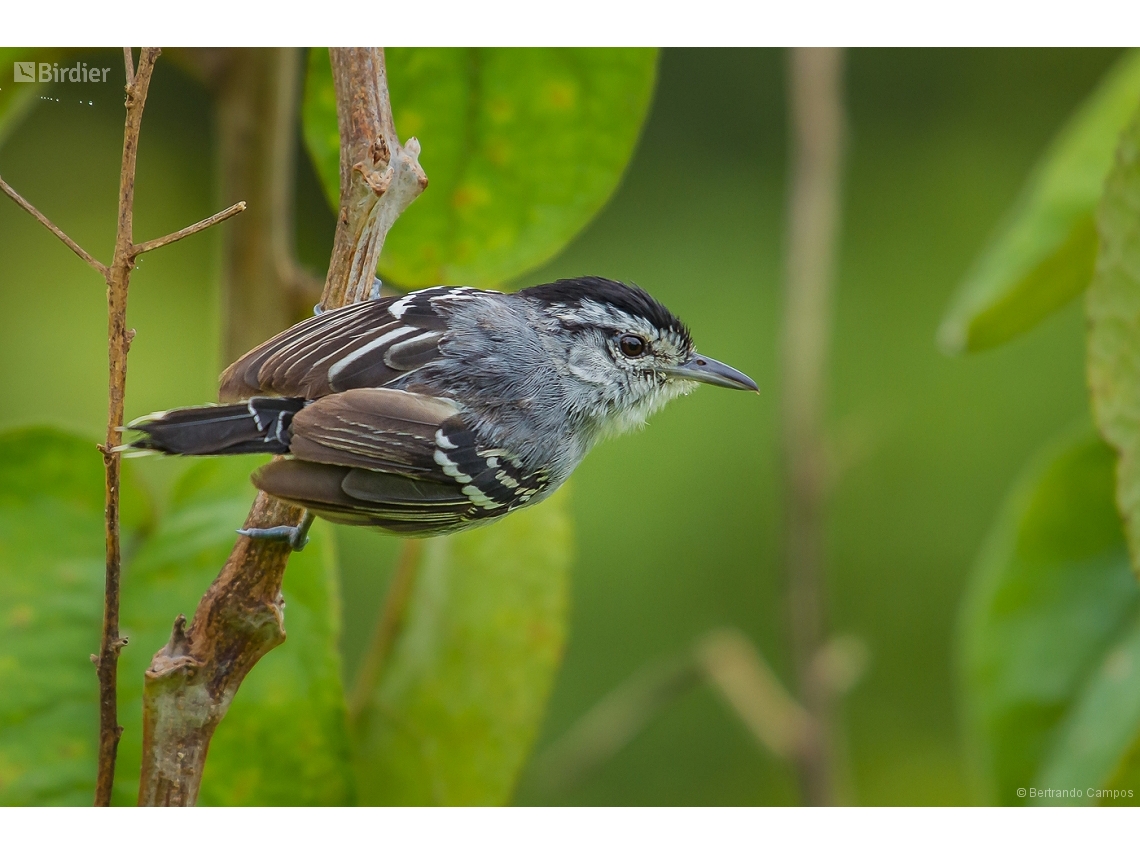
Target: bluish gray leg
column 374, row 294
column 295, row 535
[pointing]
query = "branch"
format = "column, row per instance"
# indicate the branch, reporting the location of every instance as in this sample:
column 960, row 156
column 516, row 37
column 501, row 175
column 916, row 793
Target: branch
column 118, row 343
column 129, row 61
column 387, row 627
column 139, row 248
column 54, row 229
column 192, row 680
column 257, row 96
column 613, row 722
column 117, row 277
column 817, row 130
column 379, row 178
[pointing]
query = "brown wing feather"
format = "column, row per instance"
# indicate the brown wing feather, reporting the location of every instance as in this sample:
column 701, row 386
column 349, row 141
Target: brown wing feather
column 338, row 350
column 381, row 429
column 359, row 497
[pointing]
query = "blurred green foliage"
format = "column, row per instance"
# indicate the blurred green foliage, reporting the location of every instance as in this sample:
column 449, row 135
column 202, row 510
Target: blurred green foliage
column 284, row 740
column 461, row 698
column 1048, row 628
column 51, row 609
column 1114, row 326
column 676, row 528
column 16, row 101
column 1043, row 254
column 521, row 146
column 51, row 582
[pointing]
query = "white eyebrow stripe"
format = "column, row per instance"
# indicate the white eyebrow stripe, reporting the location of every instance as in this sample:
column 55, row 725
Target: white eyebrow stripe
column 341, row 364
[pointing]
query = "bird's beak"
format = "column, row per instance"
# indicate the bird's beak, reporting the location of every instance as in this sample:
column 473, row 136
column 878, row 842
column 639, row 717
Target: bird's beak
column 705, row 370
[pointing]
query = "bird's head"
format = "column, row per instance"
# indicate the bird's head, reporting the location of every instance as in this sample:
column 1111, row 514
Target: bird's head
column 626, row 352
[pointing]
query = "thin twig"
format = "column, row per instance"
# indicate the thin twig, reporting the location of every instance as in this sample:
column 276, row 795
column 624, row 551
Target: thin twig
column 139, row 248
column 192, row 680
column 387, row 627
column 118, row 343
column 129, row 62
column 117, row 277
column 613, row 722
column 54, row 229
column 815, row 81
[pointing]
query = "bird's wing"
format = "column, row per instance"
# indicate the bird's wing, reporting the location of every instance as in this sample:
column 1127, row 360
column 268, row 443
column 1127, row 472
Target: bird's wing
column 368, row 344
column 403, row 461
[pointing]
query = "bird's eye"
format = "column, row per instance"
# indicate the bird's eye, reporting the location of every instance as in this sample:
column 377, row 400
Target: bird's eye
column 632, row 345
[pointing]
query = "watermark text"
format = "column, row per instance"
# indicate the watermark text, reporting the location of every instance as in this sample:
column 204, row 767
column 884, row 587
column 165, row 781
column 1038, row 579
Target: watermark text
column 52, row 72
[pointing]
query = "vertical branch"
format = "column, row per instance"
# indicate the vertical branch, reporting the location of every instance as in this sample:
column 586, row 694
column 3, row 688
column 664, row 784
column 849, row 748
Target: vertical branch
column 193, row 679
column 387, row 627
column 257, row 94
column 118, row 343
column 815, row 95
column 379, row 178
column 117, row 278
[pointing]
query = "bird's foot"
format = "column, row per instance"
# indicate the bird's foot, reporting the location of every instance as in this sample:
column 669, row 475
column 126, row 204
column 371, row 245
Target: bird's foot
column 297, row 536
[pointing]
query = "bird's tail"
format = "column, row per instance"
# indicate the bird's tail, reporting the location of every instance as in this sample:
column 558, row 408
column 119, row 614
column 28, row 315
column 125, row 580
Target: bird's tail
column 260, row 425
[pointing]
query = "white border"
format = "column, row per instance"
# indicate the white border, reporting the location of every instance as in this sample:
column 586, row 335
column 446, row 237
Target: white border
column 582, row 22
column 573, row 831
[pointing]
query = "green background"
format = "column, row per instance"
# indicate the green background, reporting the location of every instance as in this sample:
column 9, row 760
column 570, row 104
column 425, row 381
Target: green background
column 676, row 527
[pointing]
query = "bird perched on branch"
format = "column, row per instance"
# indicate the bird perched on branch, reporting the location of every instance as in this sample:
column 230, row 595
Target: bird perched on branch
column 445, row 408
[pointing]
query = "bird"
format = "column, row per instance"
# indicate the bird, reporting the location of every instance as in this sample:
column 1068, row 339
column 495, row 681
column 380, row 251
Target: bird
column 441, row 409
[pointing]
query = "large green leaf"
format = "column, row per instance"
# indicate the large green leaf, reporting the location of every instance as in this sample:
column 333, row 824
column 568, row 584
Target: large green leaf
column 522, row 148
column 51, row 607
column 1051, row 611
column 1113, row 307
column 459, row 702
column 283, row 741
column 1044, row 252
column 1100, row 729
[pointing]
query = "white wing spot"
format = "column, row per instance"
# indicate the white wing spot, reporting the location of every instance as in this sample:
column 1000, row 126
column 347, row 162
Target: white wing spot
column 506, row 480
column 450, row 468
column 480, row 498
column 442, row 441
column 397, row 309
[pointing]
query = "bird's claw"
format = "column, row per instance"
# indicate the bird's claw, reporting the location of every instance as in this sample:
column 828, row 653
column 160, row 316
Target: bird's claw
column 297, row 536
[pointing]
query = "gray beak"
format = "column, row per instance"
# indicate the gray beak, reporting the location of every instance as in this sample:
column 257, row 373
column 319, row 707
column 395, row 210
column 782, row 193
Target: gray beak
column 705, row 370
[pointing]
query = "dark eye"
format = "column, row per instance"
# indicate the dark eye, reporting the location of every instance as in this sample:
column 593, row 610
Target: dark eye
column 632, row 345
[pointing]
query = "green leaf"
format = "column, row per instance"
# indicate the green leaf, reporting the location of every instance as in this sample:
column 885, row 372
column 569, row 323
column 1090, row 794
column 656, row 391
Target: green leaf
column 1101, row 727
column 17, row 99
column 1043, row 254
column 458, row 705
column 522, row 148
column 1113, row 308
column 1050, row 609
column 51, row 607
column 283, row 741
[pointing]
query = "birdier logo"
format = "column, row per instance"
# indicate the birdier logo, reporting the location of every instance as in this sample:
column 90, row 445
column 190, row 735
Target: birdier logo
column 50, row 72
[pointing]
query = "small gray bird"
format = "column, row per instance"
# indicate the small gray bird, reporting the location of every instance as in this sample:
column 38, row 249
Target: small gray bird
column 445, row 408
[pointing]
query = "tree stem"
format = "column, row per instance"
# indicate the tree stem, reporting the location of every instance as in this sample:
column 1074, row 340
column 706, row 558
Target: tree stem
column 118, row 343
column 193, row 679
column 815, row 95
